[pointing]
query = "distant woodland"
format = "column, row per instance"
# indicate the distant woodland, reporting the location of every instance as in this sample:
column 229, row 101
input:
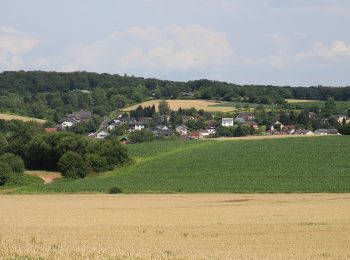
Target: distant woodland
column 51, row 95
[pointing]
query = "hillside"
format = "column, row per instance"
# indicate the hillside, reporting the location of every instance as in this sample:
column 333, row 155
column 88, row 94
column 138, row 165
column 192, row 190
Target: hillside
column 281, row 165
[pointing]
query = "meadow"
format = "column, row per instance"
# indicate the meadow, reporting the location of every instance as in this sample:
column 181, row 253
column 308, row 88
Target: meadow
column 178, row 226
column 315, row 164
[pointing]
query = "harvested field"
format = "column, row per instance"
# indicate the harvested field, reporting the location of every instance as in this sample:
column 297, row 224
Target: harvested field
column 9, row 117
column 301, row 101
column 279, row 226
column 175, row 104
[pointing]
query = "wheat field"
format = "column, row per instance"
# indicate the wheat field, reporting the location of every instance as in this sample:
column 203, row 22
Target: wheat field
column 221, row 226
column 8, row 117
column 175, row 104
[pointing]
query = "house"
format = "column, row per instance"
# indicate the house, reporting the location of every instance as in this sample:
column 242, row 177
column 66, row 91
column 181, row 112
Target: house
column 327, row 132
column 226, row 122
column 195, row 135
column 102, row 135
column 277, row 124
column 124, row 140
column 303, row 132
column 187, row 94
column 160, row 127
column 212, row 129
column 290, row 129
column 185, row 119
column 163, row 132
column 242, row 117
column 204, row 133
column 68, row 123
column 312, row 115
column 182, row 130
column 111, row 127
column 341, row 119
column 83, row 116
column 51, row 130
column 251, row 124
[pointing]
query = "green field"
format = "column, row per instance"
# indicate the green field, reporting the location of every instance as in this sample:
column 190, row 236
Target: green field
column 318, row 164
column 242, row 104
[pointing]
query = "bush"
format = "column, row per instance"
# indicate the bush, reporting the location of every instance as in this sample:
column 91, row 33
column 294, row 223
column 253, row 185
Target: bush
column 96, row 163
column 115, row 190
column 3, row 143
column 5, row 172
column 15, row 162
column 72, row 165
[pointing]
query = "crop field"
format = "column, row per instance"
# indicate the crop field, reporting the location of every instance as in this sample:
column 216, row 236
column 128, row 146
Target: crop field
column 202, row 226
column 342, row 105
column 175, row 104
column 9, row 117
column 315, row 164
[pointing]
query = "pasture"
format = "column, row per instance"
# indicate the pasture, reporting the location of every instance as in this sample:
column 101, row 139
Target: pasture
column 315, row 164
column 9, row 117
column 201, row 226
column 175, row 104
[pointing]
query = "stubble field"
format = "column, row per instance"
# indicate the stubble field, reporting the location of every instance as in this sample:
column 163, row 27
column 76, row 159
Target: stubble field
column 218, row 226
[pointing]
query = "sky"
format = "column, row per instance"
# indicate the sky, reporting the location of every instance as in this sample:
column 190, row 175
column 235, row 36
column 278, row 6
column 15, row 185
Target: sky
column 277, row 42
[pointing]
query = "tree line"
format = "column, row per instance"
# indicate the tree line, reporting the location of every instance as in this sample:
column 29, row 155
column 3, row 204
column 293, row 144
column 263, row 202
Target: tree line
column 51, row 95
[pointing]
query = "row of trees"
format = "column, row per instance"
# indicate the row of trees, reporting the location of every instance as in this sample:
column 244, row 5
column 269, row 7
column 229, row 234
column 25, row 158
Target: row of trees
column 52, row 95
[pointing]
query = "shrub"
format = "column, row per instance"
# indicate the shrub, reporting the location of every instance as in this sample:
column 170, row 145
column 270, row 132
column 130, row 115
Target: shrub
column 15, row 162
column 5, row 172
column 72, row 165
column 3, row 143
column 96, row 163
column 141, row 136
column 115, row 190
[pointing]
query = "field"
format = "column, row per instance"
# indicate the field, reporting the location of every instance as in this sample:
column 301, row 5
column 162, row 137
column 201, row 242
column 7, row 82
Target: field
column 315, row 164
column 279, row 226
column 175, row 104
column 341, row 105
column 21, row 118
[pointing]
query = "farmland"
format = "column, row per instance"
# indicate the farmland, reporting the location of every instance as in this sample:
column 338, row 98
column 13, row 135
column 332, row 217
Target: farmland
column 198, row 226
column 317, row 164
column 175, row 104
column 21, row 118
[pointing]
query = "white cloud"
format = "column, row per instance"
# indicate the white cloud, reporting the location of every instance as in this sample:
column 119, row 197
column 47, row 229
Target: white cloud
column 13, row 46
column 337, row 51
column 170, row 48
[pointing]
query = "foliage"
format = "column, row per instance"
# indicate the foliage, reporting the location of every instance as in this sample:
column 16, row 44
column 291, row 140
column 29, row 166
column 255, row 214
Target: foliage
column 11, row 168
column 164, row 108
column 141, row 136
column 115, row 190
column 3, row 143
column 72, row 165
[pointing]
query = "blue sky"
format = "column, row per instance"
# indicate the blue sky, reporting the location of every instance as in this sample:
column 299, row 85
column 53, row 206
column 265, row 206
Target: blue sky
column 280, row 42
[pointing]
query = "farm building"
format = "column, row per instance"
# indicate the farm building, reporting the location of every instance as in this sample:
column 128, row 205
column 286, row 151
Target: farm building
column 182, row 130
column 243, row 117
column 327, row 132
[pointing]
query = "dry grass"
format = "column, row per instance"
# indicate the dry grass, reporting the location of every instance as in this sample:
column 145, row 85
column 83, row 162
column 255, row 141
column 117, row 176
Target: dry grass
column 186, row 104
column 21, row 118
column 46, row 176
column 279, row 226
column 300, row 100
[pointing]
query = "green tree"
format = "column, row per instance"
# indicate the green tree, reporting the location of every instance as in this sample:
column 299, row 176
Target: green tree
column 72, row 165
column 5, row 172
column 163, row 107
column 3, row 143
column 141, row 136
column 15, row 162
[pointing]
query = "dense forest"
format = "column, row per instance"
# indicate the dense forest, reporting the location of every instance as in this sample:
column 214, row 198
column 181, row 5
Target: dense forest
column 51, row 95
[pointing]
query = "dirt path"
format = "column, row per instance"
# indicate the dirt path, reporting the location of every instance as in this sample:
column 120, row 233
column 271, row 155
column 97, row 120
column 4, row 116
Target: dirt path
column 47, row 177
column 217, row 226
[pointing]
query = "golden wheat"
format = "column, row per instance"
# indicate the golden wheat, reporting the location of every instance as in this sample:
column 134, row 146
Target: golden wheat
column 278, row 226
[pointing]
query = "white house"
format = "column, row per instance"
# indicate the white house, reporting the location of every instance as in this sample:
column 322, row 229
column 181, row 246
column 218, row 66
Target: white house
column 67, row 124
column 211, row 129
column 275, row 124
column 182, row 130
column 139, row 127
column 102, row 135
column 226, row 122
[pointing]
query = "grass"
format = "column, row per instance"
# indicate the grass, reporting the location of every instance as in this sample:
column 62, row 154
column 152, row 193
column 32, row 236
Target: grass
column 318, row 164
column 302, row 104
column 9, row 117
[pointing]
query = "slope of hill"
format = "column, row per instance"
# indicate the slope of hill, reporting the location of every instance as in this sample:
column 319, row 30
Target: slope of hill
column 281, row 165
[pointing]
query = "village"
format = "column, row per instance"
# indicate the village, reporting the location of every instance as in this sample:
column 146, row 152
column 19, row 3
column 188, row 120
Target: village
column 198, row 124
